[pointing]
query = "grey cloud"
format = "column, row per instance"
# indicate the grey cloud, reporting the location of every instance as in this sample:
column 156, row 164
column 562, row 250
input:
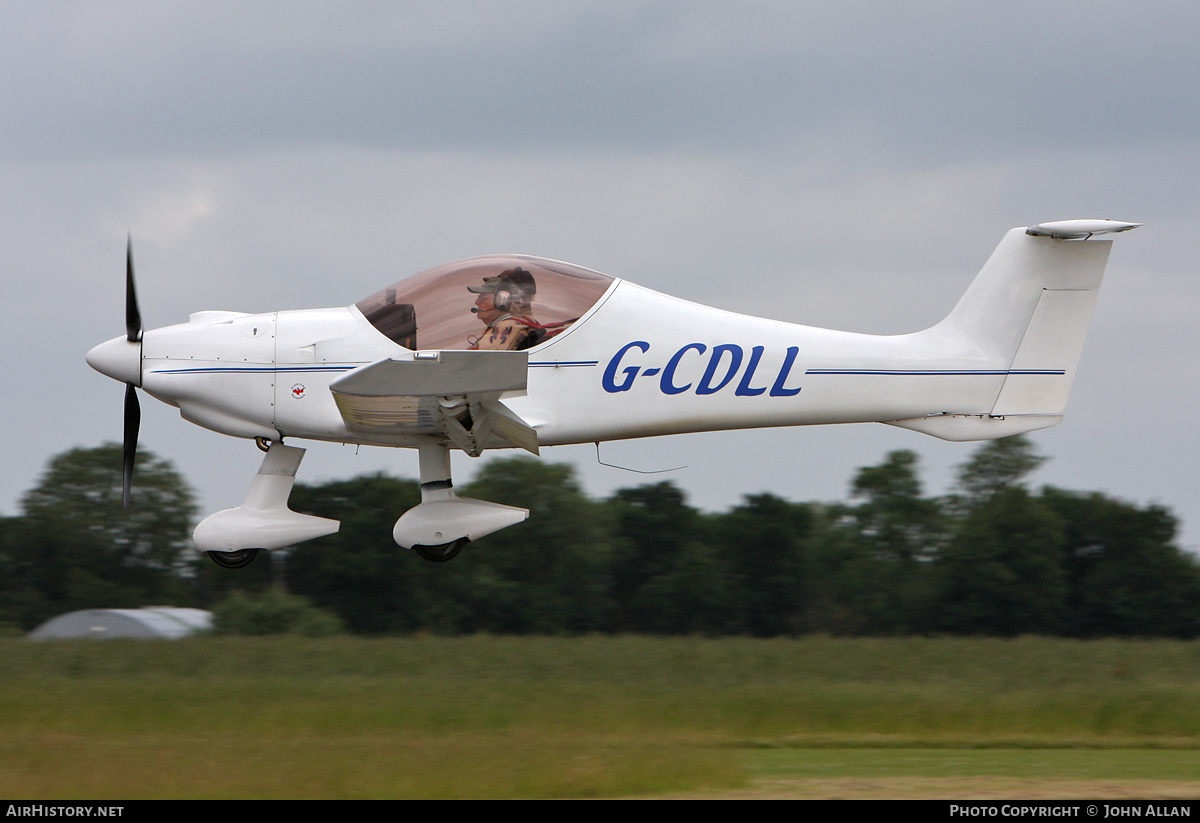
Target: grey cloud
column 943, row 81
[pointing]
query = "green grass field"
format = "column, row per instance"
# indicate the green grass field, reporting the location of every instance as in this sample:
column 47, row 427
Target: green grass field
column 598, row 717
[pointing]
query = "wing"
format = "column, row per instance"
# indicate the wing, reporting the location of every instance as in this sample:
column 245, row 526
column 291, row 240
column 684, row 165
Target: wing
column 455, row 394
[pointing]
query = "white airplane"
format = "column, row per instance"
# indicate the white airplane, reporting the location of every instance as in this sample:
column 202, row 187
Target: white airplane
column 511, row 351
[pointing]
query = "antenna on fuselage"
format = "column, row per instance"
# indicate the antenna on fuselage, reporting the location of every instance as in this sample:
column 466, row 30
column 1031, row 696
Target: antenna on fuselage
column 635, row 471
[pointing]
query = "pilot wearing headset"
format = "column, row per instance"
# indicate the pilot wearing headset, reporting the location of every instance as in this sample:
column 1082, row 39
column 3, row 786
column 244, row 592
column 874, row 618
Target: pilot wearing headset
column 504, row 306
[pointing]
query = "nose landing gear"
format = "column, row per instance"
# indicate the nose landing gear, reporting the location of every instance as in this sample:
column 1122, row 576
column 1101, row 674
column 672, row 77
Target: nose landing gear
column 233, row 537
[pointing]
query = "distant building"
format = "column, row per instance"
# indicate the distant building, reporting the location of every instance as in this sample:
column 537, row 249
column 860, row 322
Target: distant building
column 163, row 622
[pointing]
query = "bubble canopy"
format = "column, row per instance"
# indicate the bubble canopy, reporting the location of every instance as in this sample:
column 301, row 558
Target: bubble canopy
column 434, row 309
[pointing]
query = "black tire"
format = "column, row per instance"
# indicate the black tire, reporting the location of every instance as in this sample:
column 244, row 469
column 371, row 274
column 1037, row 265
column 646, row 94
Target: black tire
column 441, row 552
column 234, row 560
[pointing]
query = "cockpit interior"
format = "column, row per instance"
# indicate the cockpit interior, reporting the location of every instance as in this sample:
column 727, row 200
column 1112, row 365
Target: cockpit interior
column 452, row 306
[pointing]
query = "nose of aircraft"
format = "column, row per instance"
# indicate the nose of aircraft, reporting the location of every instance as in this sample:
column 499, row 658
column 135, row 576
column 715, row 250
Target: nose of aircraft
column 119, row 359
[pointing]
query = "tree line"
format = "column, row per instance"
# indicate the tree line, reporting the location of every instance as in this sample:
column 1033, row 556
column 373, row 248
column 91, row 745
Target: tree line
column 990, row 558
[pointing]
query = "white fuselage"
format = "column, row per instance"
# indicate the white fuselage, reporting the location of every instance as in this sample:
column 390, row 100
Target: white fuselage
column 640, row 364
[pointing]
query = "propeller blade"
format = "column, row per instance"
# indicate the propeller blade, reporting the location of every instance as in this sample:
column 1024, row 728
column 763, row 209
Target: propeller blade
column 133, row 317
column 133, row 422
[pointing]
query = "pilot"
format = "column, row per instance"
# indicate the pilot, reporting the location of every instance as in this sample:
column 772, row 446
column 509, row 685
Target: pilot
column 505, row 307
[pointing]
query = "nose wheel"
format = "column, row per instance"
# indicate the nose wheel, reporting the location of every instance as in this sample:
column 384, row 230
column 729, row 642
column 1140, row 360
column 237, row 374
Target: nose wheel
column 442, row 552
column 234, row 560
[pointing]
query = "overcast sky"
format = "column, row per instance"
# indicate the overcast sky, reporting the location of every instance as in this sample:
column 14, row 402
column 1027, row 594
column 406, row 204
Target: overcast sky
column 848, row 165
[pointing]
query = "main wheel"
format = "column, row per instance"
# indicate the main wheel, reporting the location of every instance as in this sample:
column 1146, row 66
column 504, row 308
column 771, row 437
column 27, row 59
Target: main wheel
column 234, row 560
column 441, row 552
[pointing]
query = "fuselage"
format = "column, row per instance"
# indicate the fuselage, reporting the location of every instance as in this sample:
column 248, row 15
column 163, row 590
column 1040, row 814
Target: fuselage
column 608, row 359
column 638, row 364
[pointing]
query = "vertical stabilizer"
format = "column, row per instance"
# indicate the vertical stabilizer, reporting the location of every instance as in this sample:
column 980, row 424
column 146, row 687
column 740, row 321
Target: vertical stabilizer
column 1025, row 315
column 997, row 309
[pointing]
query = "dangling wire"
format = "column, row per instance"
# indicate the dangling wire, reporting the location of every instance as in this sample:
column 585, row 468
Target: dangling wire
column 635, row 471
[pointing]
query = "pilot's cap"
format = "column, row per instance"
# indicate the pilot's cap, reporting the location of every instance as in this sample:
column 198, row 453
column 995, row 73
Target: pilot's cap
column 518, row 282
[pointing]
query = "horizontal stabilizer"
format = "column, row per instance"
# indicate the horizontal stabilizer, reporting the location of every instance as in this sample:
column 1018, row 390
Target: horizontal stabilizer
column 1079, row 229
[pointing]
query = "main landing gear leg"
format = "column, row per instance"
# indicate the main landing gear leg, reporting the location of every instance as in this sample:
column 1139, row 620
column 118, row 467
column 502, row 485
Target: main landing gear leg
column 443, row 523
column 437, row 485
